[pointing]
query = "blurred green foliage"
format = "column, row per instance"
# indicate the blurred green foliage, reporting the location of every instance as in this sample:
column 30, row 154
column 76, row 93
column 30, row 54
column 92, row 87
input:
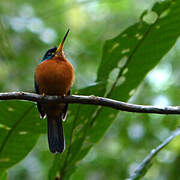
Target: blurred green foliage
column 28, row 29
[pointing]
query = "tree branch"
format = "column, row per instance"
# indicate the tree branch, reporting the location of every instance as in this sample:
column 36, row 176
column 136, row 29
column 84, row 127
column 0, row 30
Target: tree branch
column 94, row 100
column 143, row 166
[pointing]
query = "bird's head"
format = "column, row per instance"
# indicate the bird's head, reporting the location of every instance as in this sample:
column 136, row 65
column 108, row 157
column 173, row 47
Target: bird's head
column 49, row 54
column 56, row 51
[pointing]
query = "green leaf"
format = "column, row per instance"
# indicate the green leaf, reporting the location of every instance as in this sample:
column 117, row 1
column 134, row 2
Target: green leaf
column 125, row 62
column 20, row 128
column 3, row 175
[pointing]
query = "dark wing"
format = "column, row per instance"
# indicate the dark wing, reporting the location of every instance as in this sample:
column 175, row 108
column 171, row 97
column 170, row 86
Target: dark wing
column 41, row 112
column 64, row 111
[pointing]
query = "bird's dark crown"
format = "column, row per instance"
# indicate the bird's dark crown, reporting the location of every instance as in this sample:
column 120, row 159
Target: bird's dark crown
column 49, row 54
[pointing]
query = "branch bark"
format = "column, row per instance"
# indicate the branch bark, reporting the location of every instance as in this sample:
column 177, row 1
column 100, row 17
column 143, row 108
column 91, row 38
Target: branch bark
column 93, row 100
column 144, row 165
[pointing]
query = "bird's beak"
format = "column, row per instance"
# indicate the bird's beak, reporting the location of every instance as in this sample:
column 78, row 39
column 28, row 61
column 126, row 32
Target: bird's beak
column 60, row 48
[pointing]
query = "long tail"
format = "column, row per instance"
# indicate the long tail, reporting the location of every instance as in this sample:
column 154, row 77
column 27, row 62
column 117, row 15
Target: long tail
column 55, row 135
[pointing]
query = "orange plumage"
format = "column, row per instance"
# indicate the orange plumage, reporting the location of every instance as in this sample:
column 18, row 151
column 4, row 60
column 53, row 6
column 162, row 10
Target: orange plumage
column 54, row 76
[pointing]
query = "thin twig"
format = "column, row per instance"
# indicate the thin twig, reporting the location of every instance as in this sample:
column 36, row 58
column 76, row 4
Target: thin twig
column 94, row 100
column 143, row 167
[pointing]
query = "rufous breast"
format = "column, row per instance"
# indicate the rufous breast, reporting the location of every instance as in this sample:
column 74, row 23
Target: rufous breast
column 54, row 76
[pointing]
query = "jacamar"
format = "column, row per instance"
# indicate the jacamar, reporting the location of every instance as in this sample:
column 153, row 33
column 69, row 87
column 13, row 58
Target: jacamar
column 54, row 76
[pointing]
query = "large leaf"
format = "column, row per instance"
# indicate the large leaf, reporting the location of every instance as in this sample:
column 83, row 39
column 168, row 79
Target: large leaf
column 3, row 176
column 20, row 128
column 125, row 62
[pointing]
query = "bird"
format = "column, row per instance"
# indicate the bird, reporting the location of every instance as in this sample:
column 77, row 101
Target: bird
column 54, row 76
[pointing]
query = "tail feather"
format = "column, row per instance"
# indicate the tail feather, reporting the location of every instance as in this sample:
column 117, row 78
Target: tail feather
column 55, row 135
